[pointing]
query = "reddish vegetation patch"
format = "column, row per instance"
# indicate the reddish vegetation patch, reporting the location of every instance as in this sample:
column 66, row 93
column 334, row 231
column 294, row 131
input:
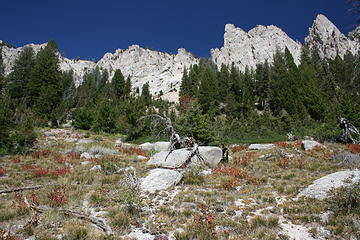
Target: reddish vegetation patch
column 40, row 153
column 2, row 171
column 41, row 172
column 133, row 151
column 60, row 158
column 230, row 184
column 245, row 159
column 283, row 144
column 205, row 219
column 57, row 198
column 236, row 172
column 238, row 148
column 60, row 172
column 298, row 144
column 354, row 148
column 16, row 159
column 34, row 200
column 28, row 167
column 19, row 201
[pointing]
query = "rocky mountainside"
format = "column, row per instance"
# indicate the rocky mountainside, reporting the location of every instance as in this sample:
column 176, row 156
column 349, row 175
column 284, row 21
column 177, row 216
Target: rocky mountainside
column 328, row 41
column 163, row 71
column 253, row 47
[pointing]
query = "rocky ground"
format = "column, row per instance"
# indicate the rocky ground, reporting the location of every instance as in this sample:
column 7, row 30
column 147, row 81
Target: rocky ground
column 88, row 186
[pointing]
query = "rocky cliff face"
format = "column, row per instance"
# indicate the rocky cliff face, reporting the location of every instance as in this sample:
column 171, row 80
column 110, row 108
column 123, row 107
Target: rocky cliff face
column 325, row 38
column 253, row 47
column 163, row 71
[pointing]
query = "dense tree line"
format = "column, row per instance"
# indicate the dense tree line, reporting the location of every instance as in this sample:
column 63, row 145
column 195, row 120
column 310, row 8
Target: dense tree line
column 216, row 105
column 304, row 99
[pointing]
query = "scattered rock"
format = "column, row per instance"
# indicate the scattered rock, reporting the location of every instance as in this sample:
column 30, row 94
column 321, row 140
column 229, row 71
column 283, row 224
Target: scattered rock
column 86, row 155
column 322, row 186
column 100, row 151
column 211, row 155
column 261, row 146
column 96, row 167
column 84, row 163
column 118, row 142
column 347, row 159
column 310, row 144
column 159, row 179
column 139, row 157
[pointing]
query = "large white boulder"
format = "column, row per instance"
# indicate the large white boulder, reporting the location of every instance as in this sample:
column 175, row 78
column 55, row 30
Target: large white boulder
column 211, row 156
column 322, row 186
column 160, row 179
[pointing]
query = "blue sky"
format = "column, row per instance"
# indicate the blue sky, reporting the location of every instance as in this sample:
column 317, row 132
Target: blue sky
column 89, row 29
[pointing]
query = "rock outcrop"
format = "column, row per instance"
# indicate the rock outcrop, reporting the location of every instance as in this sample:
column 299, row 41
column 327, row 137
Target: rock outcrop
column 325, row 38
column 322, row 186
column 159, row 179
column 163, row 71
column 253, row 47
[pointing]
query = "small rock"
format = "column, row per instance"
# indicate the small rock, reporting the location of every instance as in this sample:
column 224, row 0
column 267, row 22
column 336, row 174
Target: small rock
column 159, row 179
column 84, row 163
column 347, row 159
column 261, row 146
column 310, row 144
column 118, row 142
column 139, row 157
column 86, row 155
column 96, row 167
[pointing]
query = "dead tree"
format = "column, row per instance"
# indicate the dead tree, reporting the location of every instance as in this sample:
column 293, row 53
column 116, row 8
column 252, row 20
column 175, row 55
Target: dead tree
column 176, row 141
column 350, row 132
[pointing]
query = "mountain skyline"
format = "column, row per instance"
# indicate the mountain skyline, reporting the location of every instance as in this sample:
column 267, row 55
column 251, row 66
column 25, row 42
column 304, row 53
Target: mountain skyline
column 88, row 30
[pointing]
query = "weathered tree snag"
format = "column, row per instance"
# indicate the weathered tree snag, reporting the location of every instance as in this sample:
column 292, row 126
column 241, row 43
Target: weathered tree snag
column 98, row 222
column 176, row 142
column 350, row 132
column 22, row 189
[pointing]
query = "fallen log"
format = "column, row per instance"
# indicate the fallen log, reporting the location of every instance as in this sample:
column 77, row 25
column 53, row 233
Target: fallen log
column 98, row 222
column 22, row 189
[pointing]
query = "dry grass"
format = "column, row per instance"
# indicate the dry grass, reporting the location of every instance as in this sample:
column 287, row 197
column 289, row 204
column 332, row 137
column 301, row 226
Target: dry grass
column 222, row 205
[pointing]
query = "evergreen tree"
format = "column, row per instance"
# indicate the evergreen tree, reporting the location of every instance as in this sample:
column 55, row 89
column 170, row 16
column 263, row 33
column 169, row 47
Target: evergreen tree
column 21, row 72
column 44, row 88
column 185, row 86
column 118, row 84
column 224, row 82
column 262, row 84
column 127, row 89
column 208, row 90
column 145, row 94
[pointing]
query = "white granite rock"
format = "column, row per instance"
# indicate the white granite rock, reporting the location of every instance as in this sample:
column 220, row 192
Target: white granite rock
column 310, row 144
column 328, row 41
column 160, row 179
column 261, row 146
column 322, row 186
column 211, row 155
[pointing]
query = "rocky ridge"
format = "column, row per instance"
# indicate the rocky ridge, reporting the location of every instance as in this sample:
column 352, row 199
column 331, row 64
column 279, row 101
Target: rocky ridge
column 163, row 71
column 253, row 47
